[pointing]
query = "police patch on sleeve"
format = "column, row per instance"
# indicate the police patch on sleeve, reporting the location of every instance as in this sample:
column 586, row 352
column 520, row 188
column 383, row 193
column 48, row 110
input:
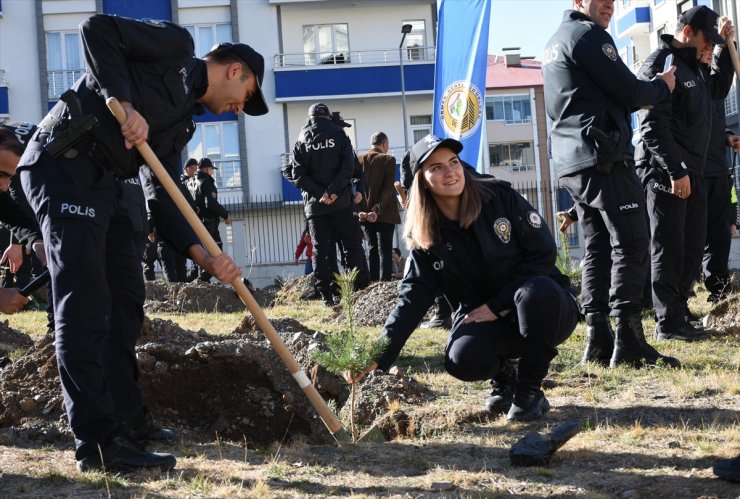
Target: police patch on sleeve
column 534, row 219
column 154, row 23
column 502, row 227
column 214, row 195
column 610, row 51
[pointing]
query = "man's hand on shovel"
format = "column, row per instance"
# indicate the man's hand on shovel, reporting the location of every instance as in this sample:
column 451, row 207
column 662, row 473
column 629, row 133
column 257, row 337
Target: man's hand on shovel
column 222, row 267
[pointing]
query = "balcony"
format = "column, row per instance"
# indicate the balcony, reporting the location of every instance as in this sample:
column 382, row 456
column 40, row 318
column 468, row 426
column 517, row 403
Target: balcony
column 60, row 80
column 634, row 20
column 308, row 76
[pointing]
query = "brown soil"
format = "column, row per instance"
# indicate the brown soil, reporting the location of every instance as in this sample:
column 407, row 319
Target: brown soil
column 199, row 297
column 724, row 317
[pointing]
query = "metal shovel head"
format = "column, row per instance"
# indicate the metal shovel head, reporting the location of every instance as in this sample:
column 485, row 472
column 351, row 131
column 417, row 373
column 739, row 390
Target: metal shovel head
column 373, row 435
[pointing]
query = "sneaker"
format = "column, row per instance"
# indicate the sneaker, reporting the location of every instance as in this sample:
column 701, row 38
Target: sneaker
column 728, row 469
column 123, row 454
column 686, row 332
column 529, row 404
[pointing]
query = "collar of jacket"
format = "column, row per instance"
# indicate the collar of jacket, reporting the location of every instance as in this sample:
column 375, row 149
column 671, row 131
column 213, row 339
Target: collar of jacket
column 574, row 15
column 375, row 150
column 686, row 54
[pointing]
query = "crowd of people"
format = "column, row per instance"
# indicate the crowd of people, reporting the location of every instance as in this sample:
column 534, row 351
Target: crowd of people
column 477, row 248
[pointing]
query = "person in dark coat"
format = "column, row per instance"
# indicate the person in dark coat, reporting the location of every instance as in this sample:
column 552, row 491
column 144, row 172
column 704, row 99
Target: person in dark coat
column 490, row 253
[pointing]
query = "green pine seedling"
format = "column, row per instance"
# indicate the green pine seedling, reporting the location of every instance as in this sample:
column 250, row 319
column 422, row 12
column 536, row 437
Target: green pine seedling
column 349, row 352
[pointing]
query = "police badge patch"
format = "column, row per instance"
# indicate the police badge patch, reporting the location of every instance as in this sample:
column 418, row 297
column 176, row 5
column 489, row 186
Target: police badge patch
column 610, row 51
column 502, row 227
column 534, row 219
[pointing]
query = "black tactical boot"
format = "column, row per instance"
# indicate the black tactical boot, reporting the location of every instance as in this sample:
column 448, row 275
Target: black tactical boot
column 123, row 454
column 529, row 403
column 599, row 339
column 147, row 430
column 631, row 348
column 504, row 383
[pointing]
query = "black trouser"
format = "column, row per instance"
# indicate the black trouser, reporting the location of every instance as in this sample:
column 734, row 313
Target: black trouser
column 149, row 259
column 342, row 226
column 211, row 225
column 380, row 250
column 168, row 257
column 98, row 294
column 546, row 315
column 611, row 211
column 678, row 233
column 720, row 214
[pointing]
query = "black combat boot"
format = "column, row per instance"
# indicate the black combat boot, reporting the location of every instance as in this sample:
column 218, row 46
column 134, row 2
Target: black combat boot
column 599, row 339
column 503, row 385
column 631, row 348
column 124, row 454
column 529, row 401
column 146, row 430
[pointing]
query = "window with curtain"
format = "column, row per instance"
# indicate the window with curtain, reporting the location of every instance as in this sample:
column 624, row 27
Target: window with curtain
column 220, row 143
column 511, row 109
column 516, row 156
column 421, row 126
column 206, row 36
column 64, row 61
column 326, row 44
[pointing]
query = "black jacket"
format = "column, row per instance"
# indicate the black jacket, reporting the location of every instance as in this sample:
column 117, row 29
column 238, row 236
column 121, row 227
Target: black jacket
column 507, row 245
column 323, row 161
column 203, row 189
column 150, row 64
column 674, row 135
column 589, row 89
column 718, row 154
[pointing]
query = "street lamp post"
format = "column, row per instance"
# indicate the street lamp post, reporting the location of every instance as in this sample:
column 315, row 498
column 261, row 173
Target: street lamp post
column 405, row 30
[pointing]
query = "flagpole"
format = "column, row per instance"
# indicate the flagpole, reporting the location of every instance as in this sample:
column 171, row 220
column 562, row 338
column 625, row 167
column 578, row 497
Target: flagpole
column 405, row 29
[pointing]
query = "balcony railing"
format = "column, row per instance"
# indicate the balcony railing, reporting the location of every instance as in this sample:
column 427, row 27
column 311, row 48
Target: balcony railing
column 61, row 79
column 379, row 56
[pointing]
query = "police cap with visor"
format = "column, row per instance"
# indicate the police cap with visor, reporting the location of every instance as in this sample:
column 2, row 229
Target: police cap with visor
column 705, row 19
column 426, row 146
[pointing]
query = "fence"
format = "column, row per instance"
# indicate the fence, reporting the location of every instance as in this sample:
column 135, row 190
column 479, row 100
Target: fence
column 267, row 229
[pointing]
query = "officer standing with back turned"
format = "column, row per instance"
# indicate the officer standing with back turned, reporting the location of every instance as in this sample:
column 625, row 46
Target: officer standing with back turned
column 70, row 173
column 589, row 94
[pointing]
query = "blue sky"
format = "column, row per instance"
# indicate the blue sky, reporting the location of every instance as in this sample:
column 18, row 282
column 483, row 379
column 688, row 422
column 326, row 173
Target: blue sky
column 528, row 24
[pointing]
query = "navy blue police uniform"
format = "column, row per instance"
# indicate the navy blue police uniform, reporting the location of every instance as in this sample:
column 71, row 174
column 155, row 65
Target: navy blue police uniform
column 505, row 260
column 203, row 190
column 674, row 140
column 324, row 162
column 589, row 95
column 720, row 212
column 94, row 259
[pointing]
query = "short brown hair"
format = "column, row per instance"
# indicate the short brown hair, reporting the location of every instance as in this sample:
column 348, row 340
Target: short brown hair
column 9, row 142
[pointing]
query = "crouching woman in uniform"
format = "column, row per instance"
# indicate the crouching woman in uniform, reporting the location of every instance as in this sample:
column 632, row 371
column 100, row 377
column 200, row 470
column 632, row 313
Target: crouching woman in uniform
column 489, row 252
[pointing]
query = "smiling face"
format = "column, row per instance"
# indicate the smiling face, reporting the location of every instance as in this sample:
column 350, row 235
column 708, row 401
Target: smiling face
column 230, row 92
column 443, row 174
column 601, row 11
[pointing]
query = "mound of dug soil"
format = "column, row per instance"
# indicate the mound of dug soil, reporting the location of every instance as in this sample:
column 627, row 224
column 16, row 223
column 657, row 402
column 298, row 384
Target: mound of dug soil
column 198, row 297
column 201, row 384
column 12, row 340
column 295, row 290
column 724, row 317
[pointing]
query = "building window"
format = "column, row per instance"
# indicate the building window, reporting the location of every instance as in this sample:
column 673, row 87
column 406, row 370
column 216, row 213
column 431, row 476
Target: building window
column 421, row 126
column 326, row 44
column 731, row 101
column 206, row 36
column 516, row 156
column 63, row 61
column 220, row 143
column 511, row 109
column 416, row 41
column 683, row 6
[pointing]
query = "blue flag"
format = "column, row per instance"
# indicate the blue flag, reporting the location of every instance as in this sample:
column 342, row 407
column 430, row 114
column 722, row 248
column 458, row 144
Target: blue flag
column 460, row 74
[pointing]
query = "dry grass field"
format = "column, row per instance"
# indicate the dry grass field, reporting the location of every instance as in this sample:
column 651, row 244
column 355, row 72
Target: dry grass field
column 646, row 433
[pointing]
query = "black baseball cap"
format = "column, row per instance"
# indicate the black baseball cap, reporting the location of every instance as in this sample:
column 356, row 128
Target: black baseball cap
column 426, row 146
column 206, row 163
column 256, row 105
column 319, row 109
column 705, row 19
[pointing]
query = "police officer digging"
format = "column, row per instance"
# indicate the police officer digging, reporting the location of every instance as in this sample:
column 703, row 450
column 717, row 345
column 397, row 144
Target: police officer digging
column 671, row 155
column 589, row 94
column 322, row 166
column 75, row 193
column 202, row 187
